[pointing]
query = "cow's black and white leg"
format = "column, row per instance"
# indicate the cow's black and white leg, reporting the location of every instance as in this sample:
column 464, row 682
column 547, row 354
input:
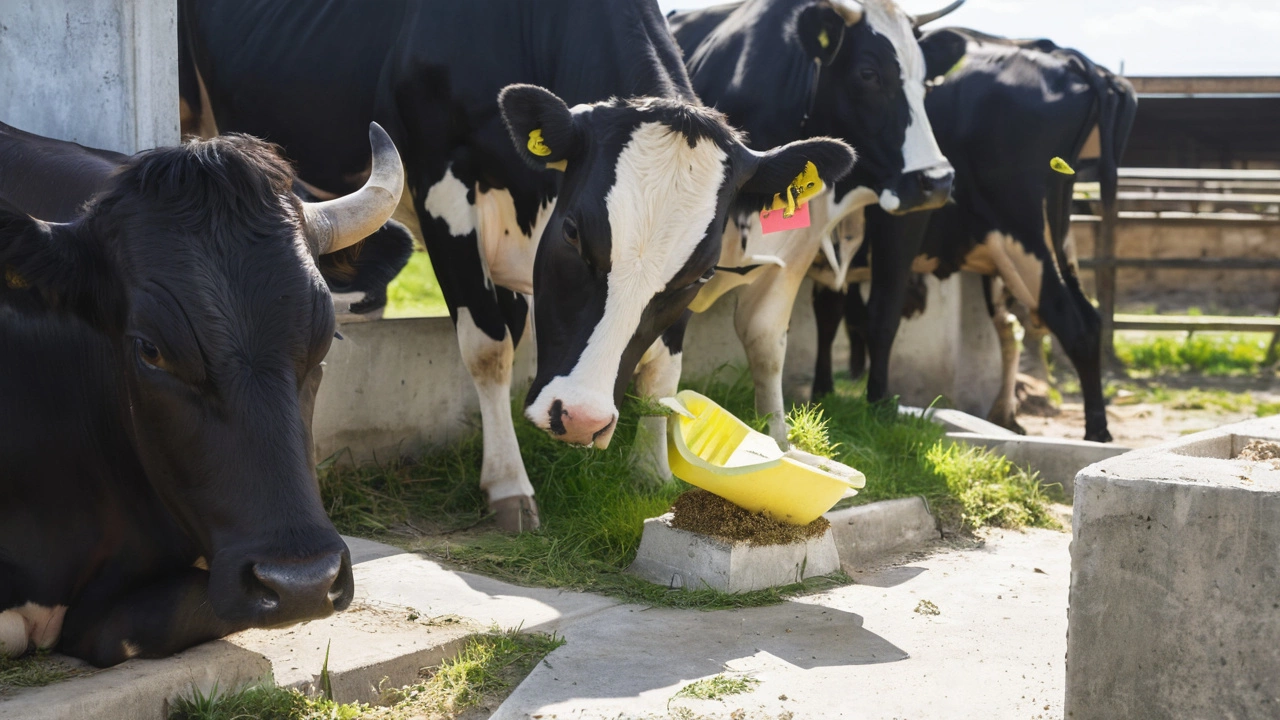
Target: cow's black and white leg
column 895, row 242
column 855, row 329
column 762, row 319
column 828, row 311
column 657, row 377
column 485, row 337
column 157, row 620
column 1004, row 410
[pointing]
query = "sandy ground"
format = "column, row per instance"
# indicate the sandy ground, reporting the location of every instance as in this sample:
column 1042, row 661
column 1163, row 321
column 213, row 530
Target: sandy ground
column 1143, row 424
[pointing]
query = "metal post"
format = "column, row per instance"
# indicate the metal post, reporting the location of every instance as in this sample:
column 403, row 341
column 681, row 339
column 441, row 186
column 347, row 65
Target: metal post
column 1105, row 282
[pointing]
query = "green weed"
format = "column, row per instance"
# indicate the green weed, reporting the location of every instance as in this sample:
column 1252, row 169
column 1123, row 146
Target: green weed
column 415, row 291
column 1205, row 353
column 990, row 490
column 488, row 667
column 717, row 686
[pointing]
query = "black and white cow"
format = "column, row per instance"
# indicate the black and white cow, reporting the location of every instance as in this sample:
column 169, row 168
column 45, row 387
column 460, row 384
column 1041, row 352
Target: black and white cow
column 783, row 70
column 612, row 247
column 160, row 351
column 1007, row 109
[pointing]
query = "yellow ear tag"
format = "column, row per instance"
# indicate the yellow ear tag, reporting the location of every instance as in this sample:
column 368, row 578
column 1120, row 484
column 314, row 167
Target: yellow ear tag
column 959, row 64
column 804, row 188
column 537, row 145
column 823, row 39
column 13, row 279
column 1060, row 165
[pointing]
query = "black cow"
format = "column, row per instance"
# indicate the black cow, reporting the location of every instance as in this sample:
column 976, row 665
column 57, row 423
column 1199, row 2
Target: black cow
column 160, row 352
column 783, row 70
column 612, row 248
column 1002, row 115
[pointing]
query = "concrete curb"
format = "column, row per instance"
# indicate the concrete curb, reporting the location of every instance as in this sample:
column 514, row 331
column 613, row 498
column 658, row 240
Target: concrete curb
column 1056, row 459
column 867, row 534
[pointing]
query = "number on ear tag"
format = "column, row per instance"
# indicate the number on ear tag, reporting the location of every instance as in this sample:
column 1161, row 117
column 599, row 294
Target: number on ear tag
column 804, row 188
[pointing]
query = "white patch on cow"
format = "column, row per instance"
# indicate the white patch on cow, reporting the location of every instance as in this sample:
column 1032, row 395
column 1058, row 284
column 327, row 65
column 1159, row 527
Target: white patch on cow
column 920, row 149
column 502, row 473
column 129, row 649
column 1021, row 271
column 447, row 200
column 507, row 252
column 1004, row 409
column 28, row 625
column 660, row 207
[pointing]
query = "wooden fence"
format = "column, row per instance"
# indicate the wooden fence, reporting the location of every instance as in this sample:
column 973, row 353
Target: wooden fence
column 1181, row 197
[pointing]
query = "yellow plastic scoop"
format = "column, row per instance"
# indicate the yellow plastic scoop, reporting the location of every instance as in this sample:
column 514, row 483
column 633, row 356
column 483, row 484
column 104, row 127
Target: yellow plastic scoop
column 710, row 448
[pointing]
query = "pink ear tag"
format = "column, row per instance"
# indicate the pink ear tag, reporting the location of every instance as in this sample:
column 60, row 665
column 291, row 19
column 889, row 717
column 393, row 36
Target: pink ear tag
column 772, row 221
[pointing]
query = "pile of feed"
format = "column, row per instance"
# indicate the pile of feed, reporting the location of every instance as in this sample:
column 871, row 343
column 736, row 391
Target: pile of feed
column 709, row 514
column 1263, row 451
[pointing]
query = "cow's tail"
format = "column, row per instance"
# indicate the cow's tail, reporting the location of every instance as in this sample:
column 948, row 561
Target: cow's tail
column 1117, row 106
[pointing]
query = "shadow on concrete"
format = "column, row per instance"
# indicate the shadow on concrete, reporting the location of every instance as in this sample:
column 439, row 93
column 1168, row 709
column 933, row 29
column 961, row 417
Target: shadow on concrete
column 888, row 577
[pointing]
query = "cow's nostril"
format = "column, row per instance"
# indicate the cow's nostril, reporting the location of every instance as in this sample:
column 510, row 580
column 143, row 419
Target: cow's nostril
column 303, row 589
column 555, row 418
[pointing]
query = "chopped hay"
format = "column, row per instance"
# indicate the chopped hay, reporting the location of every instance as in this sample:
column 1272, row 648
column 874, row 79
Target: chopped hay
column 709, row 514
column 1263, row 451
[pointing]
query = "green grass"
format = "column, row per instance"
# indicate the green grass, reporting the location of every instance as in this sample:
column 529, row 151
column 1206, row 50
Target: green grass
column 415, row 291
column 593, row 506
column 487, row 668
column 1166, row 353
column 34, row 670
column 717, row 686
column 1213, row 399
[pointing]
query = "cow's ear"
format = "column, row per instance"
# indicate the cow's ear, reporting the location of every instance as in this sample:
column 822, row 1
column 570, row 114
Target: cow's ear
column 59, row 263
column 783, row 167
column 943, row 50
column 820, row 30
column 540, row 124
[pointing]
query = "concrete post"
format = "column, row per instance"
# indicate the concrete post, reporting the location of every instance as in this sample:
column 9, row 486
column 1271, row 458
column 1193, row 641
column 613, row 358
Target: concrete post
column 103, row 73
column 950, row 350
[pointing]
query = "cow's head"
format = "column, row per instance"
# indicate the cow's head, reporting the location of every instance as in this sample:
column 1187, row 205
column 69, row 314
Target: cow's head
column 871, row 91
column 635, row 234
column 198, row 262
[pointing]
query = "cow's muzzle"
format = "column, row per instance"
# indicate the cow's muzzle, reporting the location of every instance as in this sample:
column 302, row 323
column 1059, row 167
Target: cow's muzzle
column 927, row 189
column 575, row 416
column 281, row 591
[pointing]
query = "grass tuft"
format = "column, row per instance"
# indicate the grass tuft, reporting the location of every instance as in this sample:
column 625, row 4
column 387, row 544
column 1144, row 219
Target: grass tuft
column 485, row 671
column 1214, row 353
column 415, row 292
column 990, row 490
column 718, row 686
column 35, row 670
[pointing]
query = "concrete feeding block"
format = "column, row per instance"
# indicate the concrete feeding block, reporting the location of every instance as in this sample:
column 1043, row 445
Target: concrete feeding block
column 1175, row 582
column 682, row 559
column 866, row 534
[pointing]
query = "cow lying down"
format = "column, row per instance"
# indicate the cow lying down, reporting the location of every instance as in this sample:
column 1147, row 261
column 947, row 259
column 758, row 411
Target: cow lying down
column 159, row 359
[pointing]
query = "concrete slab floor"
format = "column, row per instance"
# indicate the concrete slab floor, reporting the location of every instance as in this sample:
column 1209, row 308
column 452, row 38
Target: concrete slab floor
column 995, row 648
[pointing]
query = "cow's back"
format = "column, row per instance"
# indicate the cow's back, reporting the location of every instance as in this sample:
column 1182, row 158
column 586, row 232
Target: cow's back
column 279, row 70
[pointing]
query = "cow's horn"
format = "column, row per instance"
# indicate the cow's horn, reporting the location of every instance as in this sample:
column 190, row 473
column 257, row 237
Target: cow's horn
column 924, row 18
column 340, row 223
column 850, row 11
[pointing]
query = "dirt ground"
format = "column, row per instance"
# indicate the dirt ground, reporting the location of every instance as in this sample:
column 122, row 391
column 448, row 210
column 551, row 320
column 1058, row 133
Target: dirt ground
column 1148, row 412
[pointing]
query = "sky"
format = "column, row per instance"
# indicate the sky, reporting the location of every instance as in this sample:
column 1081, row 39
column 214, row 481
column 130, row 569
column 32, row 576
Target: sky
column 1174, row 37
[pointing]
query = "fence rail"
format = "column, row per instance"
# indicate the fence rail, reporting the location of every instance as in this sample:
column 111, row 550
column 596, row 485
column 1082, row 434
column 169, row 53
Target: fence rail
column 1178, row 196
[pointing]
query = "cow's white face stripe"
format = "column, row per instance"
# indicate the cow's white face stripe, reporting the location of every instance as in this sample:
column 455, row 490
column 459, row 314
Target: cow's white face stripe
column 447, row 200
column 660, row 208
column 920, row 149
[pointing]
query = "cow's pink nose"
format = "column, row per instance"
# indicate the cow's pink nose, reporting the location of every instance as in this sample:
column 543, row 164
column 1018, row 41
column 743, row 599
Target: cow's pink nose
column 582, row 425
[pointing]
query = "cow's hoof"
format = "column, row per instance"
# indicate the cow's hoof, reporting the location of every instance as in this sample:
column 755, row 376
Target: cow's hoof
column 1007, row 420
column 1102, row 436
column 515, row 514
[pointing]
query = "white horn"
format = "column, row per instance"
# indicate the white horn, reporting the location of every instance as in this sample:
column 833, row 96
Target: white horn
column 336, row 224
column 850, row 11
column 925, row 18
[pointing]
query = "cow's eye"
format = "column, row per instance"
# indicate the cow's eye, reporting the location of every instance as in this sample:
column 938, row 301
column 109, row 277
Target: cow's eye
column 149, row 354
column 571, row 234
column 706, row 276
column 869, row 76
